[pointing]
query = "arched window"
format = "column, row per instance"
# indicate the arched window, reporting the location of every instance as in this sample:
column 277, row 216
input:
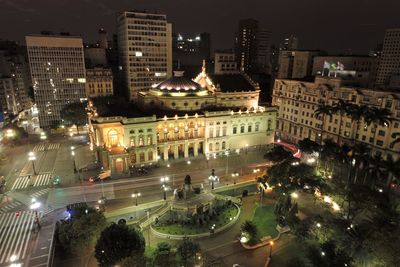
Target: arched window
column 257, row 128
column 141, row 157
column 269, row 125
column 112, row 137
column 217, row 146
column 149, row 140
column 249, row 128
column 150, row 155
column 223, row 145
column 241, row 128
column 141, row 141
column 234, row 131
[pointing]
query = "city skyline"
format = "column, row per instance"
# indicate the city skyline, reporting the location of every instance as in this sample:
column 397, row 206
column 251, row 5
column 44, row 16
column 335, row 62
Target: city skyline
column 334, row 27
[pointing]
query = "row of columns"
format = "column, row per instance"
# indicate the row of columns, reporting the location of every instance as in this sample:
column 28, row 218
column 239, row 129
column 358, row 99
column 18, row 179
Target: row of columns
column 185, row 150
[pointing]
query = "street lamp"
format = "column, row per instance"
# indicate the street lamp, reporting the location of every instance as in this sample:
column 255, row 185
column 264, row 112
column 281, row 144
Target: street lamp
column 227, row 163
column 73, row 158
column 164, row 181
column 32, row 158
column 35, row 206
column 271, row 243
column 135, row 196
column 212, row 178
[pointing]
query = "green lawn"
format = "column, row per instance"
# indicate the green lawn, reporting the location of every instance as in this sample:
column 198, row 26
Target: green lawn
column 188, row 229
column 264, row 219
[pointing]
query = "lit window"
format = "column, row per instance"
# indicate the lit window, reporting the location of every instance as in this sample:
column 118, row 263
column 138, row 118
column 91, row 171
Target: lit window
column 81, row 80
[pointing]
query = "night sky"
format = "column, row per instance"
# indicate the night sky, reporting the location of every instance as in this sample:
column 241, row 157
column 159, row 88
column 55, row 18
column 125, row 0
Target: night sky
column 336, row 26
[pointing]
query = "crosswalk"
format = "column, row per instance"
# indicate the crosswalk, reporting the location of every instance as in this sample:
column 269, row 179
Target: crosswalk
column 53, row 146
column 43, row 147
column 39, row 147
column 40, row 193
column 22, row 182
column 42, row 179
column 10, row 206
column 15, row 234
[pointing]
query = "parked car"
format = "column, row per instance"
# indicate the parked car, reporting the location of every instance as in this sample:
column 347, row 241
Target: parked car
column 104, row 174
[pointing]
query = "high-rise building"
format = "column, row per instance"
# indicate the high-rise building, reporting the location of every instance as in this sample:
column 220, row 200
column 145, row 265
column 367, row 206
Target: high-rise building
column 253, row 47
column 145, row 49
column 58, row 74
column 389, row 64
column 295, row 64
column 263, row 51
column 246, row 44
column 290, row 43
column 191, row 51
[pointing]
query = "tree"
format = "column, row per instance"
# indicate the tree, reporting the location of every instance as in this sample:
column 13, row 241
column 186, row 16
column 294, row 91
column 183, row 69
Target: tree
column 356, row 114
column 187, row 250
column 250, row 228
column 278, row 154
column 162, row 254
column 308, row 146
column 79, row 234
column 117, row 242
column 323, row 110
column 134, row 260
column 75, row 113
column 340, row 108
column 377, row 117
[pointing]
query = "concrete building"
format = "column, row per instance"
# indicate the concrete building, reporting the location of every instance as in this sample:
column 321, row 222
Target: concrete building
column 389, row 63
column 203, row 126
column 99, row 82
column 364, row 66
column 289, row 43
column 263, row 51
column 298, row 100
column 145, row 49
column 58, row 74
column 95, row 57
column 225, row 62
column 296, row 64
column 192, row 50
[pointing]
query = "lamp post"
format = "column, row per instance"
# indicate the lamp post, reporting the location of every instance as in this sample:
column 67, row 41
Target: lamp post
column 212, row 178
column 32, row 158
column 164, row 181
column 227, row 163
column 73, row 158
column 136, row 196
column 35, row 206
column 271, row 243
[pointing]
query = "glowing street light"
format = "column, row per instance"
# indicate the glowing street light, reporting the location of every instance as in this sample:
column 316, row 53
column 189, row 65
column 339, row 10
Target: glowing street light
column 164, row 181
column 136, row 196
column 10, row 133
column 32, row 158
column 73, row 158
column 295, row 195
column 271, row 244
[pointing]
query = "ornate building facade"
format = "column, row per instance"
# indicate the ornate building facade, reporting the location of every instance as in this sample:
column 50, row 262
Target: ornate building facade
column 200, row 118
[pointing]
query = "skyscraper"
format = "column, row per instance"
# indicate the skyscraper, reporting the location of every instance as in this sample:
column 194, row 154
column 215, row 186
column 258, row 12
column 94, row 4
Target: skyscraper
column 253, row 47
column 389, row 65
column 58, row 74
column 145, row 49
column 246, row 44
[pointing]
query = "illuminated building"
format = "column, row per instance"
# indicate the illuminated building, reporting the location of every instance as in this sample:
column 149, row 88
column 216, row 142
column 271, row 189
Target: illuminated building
column 295, row 64
column 224, row 62
column 99, row 82
column 298, row 100
column 145, row 49
column 389, row 66
column 192, row 118
column 58, row 74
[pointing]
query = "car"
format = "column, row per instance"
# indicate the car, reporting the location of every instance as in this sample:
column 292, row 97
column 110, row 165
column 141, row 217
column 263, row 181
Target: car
column 94, row 179
column 142, row 170
column 104, row 174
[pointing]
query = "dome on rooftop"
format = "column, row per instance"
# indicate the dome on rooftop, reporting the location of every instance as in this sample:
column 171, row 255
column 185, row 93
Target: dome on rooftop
column 178, row 83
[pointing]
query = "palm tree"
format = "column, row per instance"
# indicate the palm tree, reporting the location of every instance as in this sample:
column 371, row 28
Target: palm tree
column 323, row 110
column 375, row 169
column 329, row 151
column 360, row 158
column 356, row 114
column 392, row 168
column 377, row 117
column 341, row 108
